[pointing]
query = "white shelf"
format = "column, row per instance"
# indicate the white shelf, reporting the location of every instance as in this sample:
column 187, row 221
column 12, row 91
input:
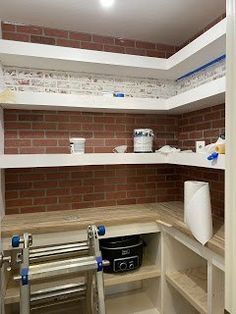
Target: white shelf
column 207, row 47
column 62, row 160
column 50, row 101
column 196, row 160
column 203, row 96
column 200, row 51
column 57, row 160
column 136, row 302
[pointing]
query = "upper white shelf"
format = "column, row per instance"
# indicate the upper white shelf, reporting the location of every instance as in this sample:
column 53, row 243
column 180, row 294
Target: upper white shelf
column 203, row 96
column 206, row 47
column 63, row 160
column 196, row 160
column 211, row 93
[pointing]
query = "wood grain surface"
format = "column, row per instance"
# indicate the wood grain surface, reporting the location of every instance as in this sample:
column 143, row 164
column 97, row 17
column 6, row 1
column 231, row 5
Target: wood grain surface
column 169, row 214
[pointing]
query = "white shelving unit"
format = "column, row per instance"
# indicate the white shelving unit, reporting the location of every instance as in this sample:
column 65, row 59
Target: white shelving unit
column 206, row 47
column 203, row 96
column 126, row 293
column 178, row 275
column 63, row 160
column 191, row 276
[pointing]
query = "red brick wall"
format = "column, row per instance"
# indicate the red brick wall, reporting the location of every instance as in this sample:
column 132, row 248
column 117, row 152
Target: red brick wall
column 76, row 187
column 44, row 35
column 49, row 131
column 47, row 189
column 206, row 124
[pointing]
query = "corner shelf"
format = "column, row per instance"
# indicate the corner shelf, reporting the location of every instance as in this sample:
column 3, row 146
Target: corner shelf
column 196, row 160
column 192, row 285
column 64, row 160
column 205, row 95
column 203, row 49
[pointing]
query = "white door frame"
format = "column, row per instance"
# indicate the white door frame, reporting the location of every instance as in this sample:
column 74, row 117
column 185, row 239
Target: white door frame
column 230, row 173
column 2, row 208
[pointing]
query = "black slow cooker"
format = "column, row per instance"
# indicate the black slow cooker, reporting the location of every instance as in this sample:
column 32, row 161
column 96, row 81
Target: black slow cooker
column 123, row 253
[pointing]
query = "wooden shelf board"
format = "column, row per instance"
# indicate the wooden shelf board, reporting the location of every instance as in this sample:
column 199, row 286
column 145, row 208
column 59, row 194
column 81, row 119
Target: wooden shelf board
column 135, row 302
column 145, row 272
column 192, row 285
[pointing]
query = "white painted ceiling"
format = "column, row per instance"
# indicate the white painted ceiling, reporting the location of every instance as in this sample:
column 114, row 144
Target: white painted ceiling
column 163, row 21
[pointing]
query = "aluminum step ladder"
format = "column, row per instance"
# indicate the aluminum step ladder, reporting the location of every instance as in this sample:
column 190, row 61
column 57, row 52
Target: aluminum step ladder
column 45, row 263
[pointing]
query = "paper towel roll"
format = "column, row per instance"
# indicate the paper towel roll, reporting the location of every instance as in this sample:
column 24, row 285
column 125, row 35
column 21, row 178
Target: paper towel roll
column 197, row 210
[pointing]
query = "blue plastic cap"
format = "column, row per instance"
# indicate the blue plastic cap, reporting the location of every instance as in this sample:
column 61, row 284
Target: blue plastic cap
column 24, row 276
column 99, row 263
column 213, row 156
column 15, row 241
column 101, row 230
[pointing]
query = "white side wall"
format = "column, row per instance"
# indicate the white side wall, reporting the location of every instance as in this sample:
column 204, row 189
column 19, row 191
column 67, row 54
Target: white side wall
column 230, row 205
column 2, row 200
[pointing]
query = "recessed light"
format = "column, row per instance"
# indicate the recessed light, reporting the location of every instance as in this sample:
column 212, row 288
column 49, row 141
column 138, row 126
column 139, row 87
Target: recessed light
column 107, row 3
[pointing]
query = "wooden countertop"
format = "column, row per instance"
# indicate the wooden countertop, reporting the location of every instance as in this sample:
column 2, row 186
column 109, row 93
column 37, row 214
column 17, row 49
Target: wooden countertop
column 170, row 213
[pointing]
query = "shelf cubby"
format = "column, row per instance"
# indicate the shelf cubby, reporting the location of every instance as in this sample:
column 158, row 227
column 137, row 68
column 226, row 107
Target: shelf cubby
column 192, row 285
column 186, row 272
column 132, row 302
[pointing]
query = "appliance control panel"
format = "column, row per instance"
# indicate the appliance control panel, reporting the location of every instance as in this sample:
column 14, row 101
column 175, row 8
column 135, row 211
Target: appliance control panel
column 126, row 263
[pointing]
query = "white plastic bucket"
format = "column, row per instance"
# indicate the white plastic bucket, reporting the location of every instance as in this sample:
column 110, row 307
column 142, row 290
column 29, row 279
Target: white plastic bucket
column 143, row 140
column 77, row 145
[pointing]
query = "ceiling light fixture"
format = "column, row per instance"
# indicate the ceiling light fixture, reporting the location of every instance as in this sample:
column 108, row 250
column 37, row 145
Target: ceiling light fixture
column 107, row 3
